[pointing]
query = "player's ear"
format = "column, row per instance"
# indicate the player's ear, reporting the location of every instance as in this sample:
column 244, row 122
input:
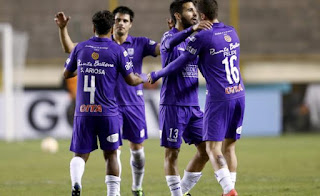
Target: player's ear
column 177, row 16
column 94, row 29
column 202, row 16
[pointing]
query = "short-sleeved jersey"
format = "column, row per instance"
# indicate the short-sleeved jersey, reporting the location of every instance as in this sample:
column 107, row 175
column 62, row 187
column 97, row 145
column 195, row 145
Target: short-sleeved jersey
column 181, row 88
column 218, row 50
column 98, row 62
column 137, row 48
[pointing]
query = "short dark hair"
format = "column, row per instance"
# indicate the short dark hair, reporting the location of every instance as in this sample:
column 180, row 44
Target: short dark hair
column 124, row 10
column 176, row 7
column 209, row 8
column 103, row 21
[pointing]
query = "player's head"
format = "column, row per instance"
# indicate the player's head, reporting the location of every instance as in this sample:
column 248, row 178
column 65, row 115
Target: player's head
column 102, row 22
column 184, row 12
column 208, row 9
column 123, row 20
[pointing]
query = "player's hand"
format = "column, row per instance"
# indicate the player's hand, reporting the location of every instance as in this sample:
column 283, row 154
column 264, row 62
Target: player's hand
column 149, row 79
column 61, row 20
column 152, row 77
column 143, row 76
column 202, row 25
column 170, row 23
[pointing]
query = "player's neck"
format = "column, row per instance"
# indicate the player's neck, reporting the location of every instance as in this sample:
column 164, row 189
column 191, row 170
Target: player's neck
column 108, row 35
column 120, row 39
column 179, row 26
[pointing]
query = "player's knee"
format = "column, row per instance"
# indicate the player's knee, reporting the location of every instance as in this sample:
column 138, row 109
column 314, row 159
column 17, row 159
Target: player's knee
column 172, row 154
column 110, row 154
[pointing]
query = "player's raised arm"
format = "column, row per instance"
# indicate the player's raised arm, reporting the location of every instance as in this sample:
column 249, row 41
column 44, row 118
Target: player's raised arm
column 172, row 41
column 65, row 40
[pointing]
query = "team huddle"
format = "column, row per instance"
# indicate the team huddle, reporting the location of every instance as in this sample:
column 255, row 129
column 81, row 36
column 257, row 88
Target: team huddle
column 110, row 104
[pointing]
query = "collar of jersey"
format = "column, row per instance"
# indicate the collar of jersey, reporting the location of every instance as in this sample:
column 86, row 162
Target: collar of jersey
column 99, row 39
column 128, row 40
column 219, row 24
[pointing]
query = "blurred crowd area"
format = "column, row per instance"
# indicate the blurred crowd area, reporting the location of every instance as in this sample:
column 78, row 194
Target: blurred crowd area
column 279, row 43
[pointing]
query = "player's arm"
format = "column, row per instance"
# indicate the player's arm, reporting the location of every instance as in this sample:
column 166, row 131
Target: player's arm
column 172, row 41
column 134, row 79
column 172, row 67
column 68, row 74
column 70, row 66
column 157, row 49
column 65, row 40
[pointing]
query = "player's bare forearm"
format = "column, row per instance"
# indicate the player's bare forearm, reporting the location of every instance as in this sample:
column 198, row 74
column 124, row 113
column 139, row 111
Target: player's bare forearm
column 68, row 74
column 157, row 50
column 65, row 40
column 134, row 79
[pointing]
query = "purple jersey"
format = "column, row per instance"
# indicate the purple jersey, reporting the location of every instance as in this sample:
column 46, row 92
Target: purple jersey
column 219, row 55
column 137, row 48
column 180, row 88
column 98, row 62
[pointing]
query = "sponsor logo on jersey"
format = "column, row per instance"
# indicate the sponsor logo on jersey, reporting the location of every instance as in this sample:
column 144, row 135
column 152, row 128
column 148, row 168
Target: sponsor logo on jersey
column 128, row 65
column 130, row 51
column 125, row 53
column 113, row 138
column 191, row 50
column 90, row 108
column 227, row 38
column 233, row 89
column 95, row 55
column 192, row 38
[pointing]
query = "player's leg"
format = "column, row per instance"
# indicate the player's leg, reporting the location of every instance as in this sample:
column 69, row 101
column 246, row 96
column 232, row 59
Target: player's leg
column 172, row 128
column 216, row 120
column 83, row 127
column 137, row 162
column 135, row 130
column 110, row 140
column 232, row 135
column 193, row 135
column 112, row 178
column 77, row 166
column 229, row 152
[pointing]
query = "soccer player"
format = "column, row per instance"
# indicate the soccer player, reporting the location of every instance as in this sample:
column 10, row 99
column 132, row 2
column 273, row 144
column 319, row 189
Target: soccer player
column 218, row 50
column 97, row 62
column 130, row 99
column 180, row 115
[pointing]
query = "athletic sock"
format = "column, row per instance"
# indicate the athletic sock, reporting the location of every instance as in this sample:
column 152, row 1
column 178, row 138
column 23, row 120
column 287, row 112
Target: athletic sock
column 224, row 179
column 189, row 180
column 173, row 183
column 76, row 170
column 233, row 176
column 137, row 161
column 113, row 185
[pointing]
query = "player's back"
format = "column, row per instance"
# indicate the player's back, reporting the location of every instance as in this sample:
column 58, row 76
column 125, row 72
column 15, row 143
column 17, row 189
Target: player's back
column 99, row 60
column 219, row 62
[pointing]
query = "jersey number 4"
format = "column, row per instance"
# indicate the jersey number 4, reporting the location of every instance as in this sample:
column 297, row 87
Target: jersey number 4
column 90, row 89
column 231, row 70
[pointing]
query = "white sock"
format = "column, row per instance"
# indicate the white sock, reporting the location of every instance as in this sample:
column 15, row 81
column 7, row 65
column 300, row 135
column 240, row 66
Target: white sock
column 113, row 185
column 174, row 185
column 189, row 180
column 137, row 161
column 76, row 170
column 224, row 179
column 233, row 176
column 119, row 162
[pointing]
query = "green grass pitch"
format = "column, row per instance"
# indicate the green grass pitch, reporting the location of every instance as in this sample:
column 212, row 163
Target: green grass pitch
column 286, row 165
